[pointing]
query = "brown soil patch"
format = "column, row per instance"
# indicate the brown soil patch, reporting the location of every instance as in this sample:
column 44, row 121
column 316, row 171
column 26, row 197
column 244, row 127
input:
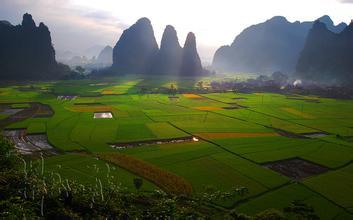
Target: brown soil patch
column 162, row 178
column 192, row 96
column 296, row 168
column 208, row 108
column 107, row 92
column 43, row 111
column 236, row 135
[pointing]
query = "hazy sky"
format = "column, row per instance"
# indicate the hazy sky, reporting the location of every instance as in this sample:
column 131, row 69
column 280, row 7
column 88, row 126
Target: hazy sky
column 80, row 24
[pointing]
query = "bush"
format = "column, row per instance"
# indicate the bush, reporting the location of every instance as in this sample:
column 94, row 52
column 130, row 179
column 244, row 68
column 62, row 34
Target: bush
column 270, row 214
column 7, row 154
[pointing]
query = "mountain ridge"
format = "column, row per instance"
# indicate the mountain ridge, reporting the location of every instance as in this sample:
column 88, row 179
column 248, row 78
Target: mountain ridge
column 273, row 45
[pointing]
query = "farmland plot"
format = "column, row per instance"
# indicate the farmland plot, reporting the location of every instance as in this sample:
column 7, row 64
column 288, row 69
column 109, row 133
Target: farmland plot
column 236, row 135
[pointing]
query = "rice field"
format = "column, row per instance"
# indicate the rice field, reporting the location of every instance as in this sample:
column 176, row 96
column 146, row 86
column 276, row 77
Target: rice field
column 230, row 147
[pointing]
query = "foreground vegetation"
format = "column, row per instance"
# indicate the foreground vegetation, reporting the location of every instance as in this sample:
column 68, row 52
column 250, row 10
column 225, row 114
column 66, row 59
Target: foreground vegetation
column 27, row 193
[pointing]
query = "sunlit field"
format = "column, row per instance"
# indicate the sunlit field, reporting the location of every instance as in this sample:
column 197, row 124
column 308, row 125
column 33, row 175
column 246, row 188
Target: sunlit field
column 197, row 139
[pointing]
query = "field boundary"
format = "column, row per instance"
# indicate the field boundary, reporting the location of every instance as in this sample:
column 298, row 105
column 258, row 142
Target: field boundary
column 239, row 202
column 321, row 195
column 166, row 180
column 211, row 142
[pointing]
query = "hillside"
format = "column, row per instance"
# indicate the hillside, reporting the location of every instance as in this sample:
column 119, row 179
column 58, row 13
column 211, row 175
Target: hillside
column 327, row 56
column 26, row 51
column 271, row 46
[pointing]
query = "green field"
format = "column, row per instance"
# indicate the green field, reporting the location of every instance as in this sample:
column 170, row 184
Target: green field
column 233, row 143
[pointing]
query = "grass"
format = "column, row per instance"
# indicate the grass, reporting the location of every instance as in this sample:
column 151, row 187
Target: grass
column 2, row 116
column 36, row 127
column 86, row 169
column 206, row 165
column 167, row 181
column 234, row 145
column 338, row 185
column 282, row 197
column 20, row 105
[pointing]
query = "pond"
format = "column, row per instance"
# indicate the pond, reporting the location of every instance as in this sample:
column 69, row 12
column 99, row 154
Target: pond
column 102, row 115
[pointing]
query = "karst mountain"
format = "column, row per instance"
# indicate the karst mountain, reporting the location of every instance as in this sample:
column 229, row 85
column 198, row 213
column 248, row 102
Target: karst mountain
column 274, row 45
column 137, row 52
column 26, row 51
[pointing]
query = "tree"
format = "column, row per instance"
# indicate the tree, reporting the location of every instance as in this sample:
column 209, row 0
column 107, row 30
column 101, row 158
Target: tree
column 300, row 210
column 234, row 90
column 270, row 214
column 138, row 182
column 80, row 69
column 143, row 90
column 238, row 216
column 172, row 90
column 7, row 157
column 242, row 191
column 200, row 85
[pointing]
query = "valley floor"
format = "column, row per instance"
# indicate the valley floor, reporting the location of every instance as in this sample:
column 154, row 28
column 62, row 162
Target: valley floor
column 199, row 140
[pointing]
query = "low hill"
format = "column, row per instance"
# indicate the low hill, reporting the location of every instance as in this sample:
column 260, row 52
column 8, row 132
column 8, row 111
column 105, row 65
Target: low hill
column 105, row 57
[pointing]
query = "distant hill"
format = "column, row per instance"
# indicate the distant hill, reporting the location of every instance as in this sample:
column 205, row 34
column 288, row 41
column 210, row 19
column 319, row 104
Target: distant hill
column 82, row 61
column 64, row 56
column 5, row 23
column 271, row 46
column 327, row 56
column 137, row 52
column 105, row 57
column 26, row 51
column 92, row 51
